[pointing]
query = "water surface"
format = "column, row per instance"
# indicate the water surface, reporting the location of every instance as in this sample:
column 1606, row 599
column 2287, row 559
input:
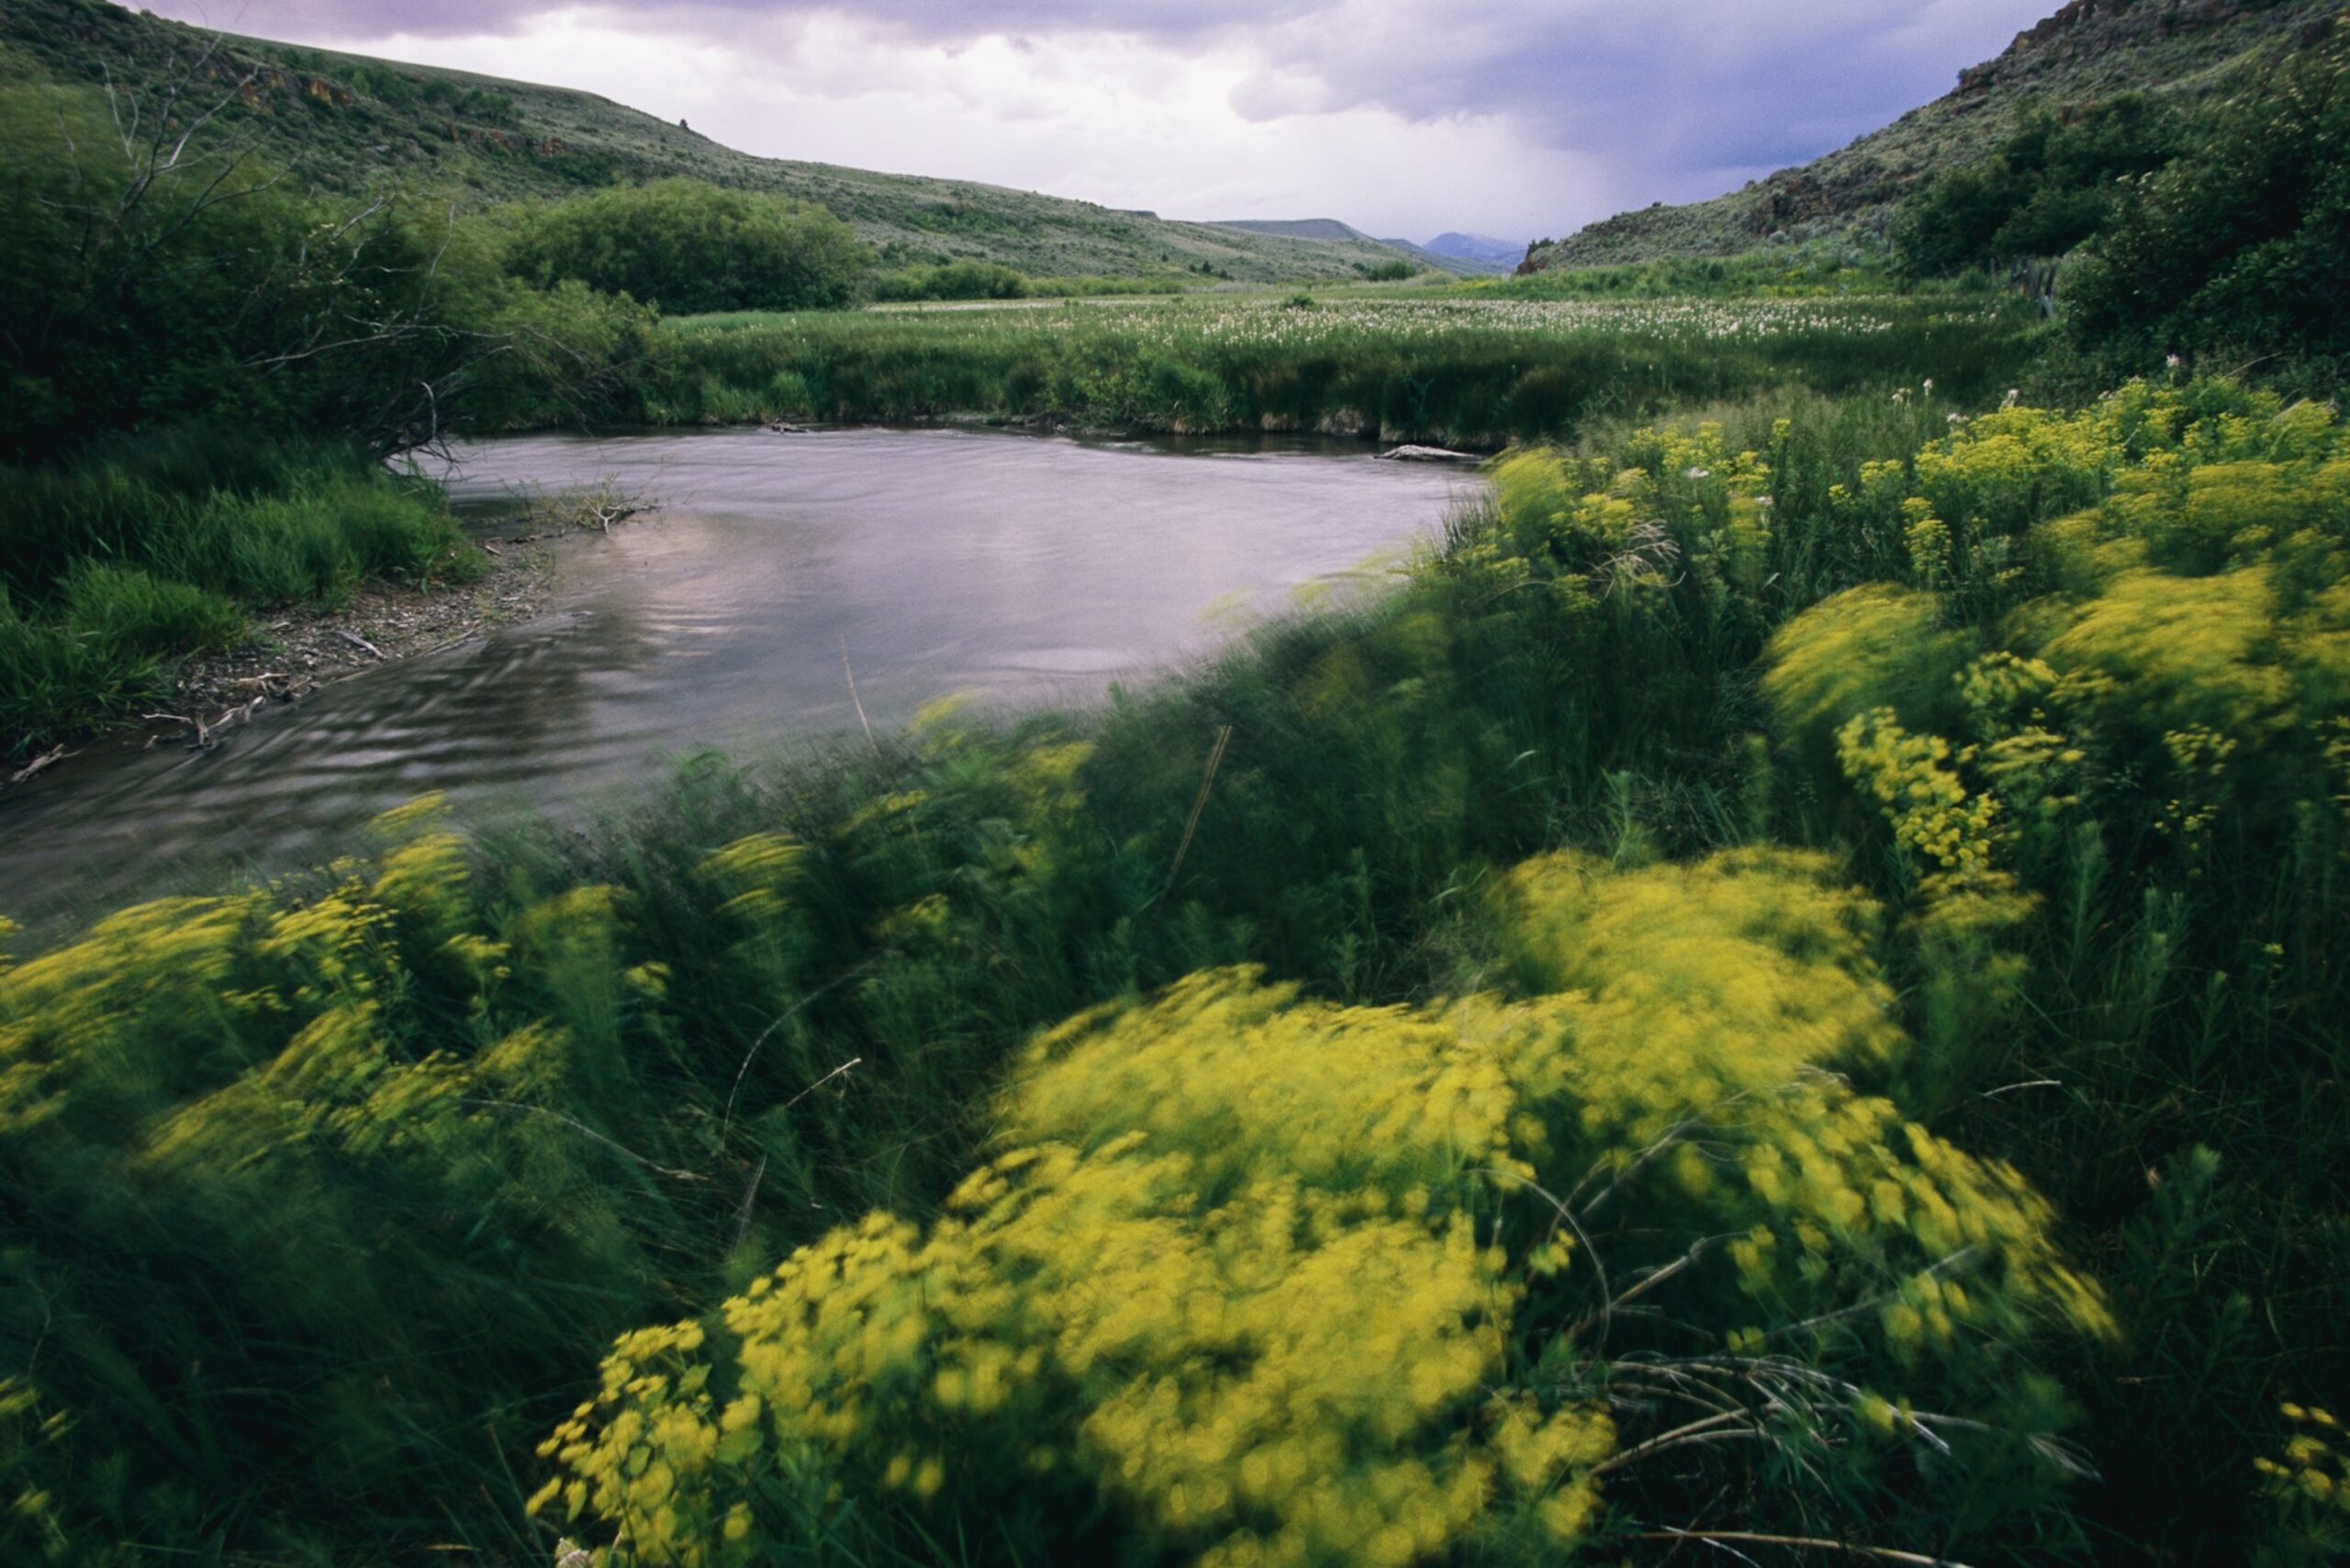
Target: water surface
column 1011, row 569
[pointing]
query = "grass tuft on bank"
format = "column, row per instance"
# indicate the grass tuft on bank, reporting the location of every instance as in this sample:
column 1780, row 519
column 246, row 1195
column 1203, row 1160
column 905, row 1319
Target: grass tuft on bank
column 114, row 568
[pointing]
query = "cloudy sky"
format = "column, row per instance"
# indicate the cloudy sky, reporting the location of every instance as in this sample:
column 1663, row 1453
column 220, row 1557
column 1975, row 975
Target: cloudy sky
column 1512, row 117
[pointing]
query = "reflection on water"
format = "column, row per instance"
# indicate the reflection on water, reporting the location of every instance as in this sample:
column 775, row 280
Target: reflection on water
column 1008, row 568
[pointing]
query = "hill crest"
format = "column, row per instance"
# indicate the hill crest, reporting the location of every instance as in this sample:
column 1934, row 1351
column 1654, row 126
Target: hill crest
column 346, row 122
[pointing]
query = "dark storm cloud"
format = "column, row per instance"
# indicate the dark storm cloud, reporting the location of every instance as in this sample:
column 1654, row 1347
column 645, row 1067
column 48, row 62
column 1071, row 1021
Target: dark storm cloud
column 1685, row 84
column 1674, row 92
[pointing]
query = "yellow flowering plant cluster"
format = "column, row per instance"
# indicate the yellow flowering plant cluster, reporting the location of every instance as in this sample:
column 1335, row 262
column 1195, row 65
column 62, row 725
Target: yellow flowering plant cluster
column 256, row 1088
column 2185, row 661
column 1671, row 509
column 1723, row 498
column 2306, row 1483
column 1572, row 518
column 1929, row 540
column 1881, row 645
column 1253, row 1279
column 1916, row 784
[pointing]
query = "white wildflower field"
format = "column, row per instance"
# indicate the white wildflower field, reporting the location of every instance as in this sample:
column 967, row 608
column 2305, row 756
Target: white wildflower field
column 1481, row 371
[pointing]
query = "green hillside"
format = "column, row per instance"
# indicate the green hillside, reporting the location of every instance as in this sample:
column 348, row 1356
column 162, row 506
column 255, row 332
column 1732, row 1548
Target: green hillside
column 2088, row 51
column 347, row 121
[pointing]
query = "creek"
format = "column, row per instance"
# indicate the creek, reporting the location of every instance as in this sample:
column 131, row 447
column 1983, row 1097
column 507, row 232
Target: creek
column 1011, row 569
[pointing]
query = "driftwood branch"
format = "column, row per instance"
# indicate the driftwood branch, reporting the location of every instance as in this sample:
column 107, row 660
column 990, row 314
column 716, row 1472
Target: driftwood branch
column 49, row 758
column 204, row 735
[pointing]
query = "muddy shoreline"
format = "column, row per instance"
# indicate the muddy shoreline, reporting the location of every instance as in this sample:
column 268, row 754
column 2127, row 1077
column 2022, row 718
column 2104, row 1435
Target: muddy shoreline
column 297, row 650
column 302, row 648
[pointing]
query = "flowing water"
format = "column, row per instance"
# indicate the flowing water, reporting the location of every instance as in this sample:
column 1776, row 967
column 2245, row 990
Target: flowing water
column 1007, row 567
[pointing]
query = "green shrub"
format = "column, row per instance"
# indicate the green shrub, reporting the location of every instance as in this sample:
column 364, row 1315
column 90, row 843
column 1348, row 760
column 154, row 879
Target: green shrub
column 2237, row 247
column 688, row 246
column 139, row 294
column 2048, row 186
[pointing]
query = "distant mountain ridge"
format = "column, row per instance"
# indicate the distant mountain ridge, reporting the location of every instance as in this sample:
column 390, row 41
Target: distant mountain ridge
column 2088, row 50
column 1503, row 253
column 346, row 122
column 1468, row 254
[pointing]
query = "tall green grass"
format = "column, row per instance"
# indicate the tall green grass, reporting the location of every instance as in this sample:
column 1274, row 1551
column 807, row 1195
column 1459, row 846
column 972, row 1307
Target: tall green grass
column 114, row 566
column 1463, row 371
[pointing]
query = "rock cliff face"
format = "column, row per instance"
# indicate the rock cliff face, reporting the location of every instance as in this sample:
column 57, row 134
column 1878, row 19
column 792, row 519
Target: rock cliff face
column 2088, row 50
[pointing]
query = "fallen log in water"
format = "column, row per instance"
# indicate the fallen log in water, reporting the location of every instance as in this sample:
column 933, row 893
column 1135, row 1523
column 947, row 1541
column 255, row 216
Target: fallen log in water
column 1429, row 454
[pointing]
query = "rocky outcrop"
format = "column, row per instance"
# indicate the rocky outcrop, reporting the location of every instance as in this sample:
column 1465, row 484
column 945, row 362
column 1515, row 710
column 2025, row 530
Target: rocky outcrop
column 2086, row 29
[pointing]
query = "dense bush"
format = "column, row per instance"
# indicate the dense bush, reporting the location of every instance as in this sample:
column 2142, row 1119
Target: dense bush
column 145, row 284
column 2049, row 186
column 2239, row 247
column 687, row 246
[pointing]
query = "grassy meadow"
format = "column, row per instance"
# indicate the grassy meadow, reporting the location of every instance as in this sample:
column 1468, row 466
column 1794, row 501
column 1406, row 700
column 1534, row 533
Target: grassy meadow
column 1459, row 364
